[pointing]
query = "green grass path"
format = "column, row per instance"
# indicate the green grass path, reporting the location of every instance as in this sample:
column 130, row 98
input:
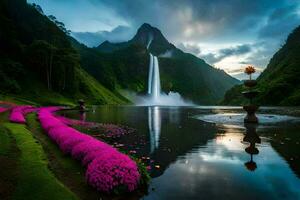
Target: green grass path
column 35, row 180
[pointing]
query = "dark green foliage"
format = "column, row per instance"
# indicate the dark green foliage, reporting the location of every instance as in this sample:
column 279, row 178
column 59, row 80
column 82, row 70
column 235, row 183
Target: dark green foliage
column 279, row 84
column 10, row 72
column 126, row 68
column 39, row 45
column 36, row 55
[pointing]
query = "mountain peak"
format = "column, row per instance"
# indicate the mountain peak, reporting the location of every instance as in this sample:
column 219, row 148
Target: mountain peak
column 146, row 26
column 152, row 38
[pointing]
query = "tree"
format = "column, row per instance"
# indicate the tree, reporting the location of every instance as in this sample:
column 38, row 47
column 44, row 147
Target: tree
column 41, row 55
column 59, row 24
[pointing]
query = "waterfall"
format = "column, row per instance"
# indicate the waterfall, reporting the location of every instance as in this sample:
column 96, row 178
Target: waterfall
column 155, row 97
column 154, row 78
column 150, row 74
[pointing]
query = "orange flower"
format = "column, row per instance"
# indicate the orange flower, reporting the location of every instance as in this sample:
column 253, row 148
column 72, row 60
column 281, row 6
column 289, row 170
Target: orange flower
column 249, row 70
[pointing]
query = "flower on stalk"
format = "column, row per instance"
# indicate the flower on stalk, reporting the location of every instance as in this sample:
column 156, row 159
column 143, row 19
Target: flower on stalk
column 249, row 70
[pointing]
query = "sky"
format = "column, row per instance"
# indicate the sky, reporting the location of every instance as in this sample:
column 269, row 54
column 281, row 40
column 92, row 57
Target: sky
column 227, row 34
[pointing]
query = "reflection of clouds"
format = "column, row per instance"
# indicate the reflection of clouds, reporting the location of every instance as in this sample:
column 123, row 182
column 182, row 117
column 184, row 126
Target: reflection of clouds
column 154, row 123
column 193, row 167
column 219, row 164
column 220, row 158
column 231, row 141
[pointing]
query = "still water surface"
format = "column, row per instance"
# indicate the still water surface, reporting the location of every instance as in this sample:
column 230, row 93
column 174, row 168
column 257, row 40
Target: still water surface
column 208, row 153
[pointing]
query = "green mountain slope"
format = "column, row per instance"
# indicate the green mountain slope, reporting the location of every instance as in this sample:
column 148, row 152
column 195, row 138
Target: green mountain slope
column 280, row 81
column 180, row 72
column 38, row 62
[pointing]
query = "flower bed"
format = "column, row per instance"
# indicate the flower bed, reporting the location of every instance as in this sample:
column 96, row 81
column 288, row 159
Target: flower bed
column 107, row 168
column 3, row 109
column 18, row 113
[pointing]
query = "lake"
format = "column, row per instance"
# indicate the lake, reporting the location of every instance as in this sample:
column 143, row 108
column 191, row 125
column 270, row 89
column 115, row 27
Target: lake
column 208, row 153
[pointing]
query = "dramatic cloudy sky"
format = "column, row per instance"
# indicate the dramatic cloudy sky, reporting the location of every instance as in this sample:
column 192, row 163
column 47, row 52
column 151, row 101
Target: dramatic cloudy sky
column 227, row 34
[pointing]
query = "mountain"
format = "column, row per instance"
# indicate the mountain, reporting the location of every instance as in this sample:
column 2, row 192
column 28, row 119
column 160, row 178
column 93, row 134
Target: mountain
column 181, row 72
column 279, row 84
column 93, row 39
column 38, row 61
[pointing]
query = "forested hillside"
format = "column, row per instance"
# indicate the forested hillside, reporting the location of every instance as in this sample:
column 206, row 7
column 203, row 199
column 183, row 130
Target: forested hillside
column 38, row 62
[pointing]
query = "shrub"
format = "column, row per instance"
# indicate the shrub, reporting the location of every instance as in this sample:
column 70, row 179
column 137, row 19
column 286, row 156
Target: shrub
column 18, row 113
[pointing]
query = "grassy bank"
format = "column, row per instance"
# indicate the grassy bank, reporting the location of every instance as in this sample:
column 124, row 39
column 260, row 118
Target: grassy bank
column 24, row 166
column 35, row 180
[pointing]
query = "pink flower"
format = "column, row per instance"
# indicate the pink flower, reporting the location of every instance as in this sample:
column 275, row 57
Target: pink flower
column 68, row 144
column 82, row 149
column 111, row 170
column 18, row 113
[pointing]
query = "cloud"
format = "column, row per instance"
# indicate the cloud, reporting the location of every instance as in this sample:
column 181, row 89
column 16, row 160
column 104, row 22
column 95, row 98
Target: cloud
column 92, row 39
column 261, row 53
column 213, row 58
column 189, row 48
column 167, row 54
column 194, row 20
column 83, row 15
column 280, row 23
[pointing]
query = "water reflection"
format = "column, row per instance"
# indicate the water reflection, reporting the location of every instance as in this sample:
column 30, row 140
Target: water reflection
column 201, row 160
column 154, row 124
column 252, row 138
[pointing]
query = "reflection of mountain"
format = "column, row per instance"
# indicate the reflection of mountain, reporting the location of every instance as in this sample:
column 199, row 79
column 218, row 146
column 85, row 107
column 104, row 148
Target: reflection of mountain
column 290, row 156
column 154, row 123
column 287, row 144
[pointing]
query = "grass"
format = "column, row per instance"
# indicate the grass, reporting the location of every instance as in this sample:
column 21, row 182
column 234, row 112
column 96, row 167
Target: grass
column 9, row 155
column 34, row 179
column 98, row 94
